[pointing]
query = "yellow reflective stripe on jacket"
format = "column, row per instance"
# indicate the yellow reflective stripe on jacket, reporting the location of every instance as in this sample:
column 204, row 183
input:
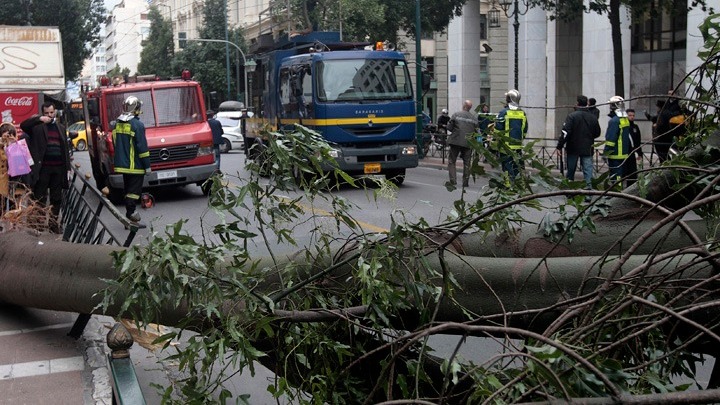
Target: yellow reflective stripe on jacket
column 515, row 115
column 126, row 129
column 624, row 123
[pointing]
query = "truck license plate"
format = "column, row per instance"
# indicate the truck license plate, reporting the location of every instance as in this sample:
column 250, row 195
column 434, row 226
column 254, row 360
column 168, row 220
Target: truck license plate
column 372, row 168
column 167, row 174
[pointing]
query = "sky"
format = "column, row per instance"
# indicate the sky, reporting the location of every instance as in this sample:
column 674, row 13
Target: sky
column 109, row 4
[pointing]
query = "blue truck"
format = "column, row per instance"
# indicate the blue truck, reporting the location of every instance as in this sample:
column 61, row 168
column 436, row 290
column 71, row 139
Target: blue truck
column 359, row 97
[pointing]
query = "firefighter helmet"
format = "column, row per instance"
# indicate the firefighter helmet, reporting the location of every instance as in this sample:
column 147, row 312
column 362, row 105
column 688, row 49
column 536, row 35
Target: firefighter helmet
column 512, row 97
column 616, row 102
column 444, row 111
column 132, row 105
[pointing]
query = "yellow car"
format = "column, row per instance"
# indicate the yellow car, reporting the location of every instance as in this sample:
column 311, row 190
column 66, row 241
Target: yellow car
column 76, row 132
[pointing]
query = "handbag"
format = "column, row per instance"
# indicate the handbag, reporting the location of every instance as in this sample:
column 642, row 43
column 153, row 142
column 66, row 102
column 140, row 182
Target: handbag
column 17, row 162
column 26, row 151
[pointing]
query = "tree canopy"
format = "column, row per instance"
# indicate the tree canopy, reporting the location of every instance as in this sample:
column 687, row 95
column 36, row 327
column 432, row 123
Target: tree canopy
column 158, row 48
column 206, row 60
column 79, row 22
column 380, row 20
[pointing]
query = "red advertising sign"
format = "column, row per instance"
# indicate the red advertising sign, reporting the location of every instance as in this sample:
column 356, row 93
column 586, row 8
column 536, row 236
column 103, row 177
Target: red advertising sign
column 17, row 107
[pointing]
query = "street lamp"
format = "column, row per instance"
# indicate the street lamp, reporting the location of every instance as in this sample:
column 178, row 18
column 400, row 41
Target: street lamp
column 249, row 66
column 505, row 4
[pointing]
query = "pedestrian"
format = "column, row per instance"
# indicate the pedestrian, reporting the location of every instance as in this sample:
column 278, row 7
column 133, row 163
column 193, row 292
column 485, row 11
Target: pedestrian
column 48, row 145
column 670, row 127
column 617, row 138
column 217, row 134
column 579, row 131
column 484, row 121
column 512, row 126
column 636, row 155
column 593, row 109
column 462, row 124
column 443, row 120
column 132, row 156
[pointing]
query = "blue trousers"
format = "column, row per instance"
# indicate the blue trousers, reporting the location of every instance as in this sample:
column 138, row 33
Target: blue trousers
column 587, row 168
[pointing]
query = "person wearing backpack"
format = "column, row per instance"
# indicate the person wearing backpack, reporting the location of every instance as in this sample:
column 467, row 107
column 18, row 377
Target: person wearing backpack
column 670, row 127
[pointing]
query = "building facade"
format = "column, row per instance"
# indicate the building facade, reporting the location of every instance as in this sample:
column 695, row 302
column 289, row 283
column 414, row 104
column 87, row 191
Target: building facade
column 559, row 60
column 126, row 26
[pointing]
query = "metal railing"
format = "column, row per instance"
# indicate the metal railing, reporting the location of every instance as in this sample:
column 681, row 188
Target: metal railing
column 547, row 153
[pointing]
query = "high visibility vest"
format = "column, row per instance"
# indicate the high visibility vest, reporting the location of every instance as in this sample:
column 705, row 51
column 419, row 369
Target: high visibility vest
column 618, row 145
column 515, row 115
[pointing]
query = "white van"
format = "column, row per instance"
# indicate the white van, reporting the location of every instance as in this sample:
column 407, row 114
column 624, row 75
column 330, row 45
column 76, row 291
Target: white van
column 232, row 127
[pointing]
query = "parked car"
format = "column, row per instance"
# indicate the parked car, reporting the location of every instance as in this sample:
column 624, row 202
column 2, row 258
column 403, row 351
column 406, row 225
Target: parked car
column 232, row 127
column 76, row 133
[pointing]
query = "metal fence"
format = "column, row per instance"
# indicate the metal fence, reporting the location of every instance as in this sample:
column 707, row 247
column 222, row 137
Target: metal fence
column 546, row 152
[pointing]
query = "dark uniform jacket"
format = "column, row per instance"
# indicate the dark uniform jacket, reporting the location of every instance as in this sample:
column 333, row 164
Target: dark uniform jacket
column 36, row 136
column 579, row 130
column 132, row 155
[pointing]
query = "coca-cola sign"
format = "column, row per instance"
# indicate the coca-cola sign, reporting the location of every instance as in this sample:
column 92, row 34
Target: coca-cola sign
column 16, row 107
column 23, row 101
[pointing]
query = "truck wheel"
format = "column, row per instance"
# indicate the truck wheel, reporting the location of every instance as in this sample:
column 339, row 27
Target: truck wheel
column 397, row 176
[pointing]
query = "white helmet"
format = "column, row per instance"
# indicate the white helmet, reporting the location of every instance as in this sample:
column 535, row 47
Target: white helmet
column 444, row 111
column 512, row 97
column 616, row 103
column 132, row 105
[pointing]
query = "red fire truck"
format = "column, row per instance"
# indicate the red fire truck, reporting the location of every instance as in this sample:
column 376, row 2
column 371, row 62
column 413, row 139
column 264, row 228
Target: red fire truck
column 178, row 135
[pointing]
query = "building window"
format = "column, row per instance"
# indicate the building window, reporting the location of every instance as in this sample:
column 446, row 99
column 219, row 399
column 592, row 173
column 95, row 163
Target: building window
column 657, row 29
column 485, row 91
column 429, row 64
column 182, row 36
column 483, row 26
column 484, row 66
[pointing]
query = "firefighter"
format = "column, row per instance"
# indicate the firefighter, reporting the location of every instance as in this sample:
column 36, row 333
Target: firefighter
column 617, row 138
column 132, row 156
column 512, row 126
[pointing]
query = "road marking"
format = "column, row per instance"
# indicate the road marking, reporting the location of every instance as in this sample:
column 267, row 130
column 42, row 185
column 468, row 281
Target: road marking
column 41, row 328
column 42, row 367
column 364, row 225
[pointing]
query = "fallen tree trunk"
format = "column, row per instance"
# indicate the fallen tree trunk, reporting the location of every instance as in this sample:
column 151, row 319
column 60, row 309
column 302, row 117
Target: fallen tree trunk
column 41, row 272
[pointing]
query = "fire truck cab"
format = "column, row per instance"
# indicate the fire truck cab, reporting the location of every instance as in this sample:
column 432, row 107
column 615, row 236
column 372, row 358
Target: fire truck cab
column 178, row 135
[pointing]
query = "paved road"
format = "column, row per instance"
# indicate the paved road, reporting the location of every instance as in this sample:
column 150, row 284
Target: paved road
column 41, row 364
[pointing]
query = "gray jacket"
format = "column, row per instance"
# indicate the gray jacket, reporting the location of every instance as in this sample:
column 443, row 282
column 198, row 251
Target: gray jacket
column 462, row 125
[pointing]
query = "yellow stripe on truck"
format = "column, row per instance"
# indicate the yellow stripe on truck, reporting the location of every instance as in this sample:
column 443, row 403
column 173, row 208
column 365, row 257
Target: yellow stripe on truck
column 351, row 121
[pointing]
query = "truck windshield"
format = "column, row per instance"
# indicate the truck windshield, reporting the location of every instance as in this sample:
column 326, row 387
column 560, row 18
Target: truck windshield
column 174, row 105
column 363, row 79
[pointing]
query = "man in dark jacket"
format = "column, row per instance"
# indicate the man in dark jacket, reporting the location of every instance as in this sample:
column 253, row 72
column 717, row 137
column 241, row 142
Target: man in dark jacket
column 462, row 124
column 670, row 127
column 48, row 147
column 580, row 129
column 132, row 156
column 217, row 133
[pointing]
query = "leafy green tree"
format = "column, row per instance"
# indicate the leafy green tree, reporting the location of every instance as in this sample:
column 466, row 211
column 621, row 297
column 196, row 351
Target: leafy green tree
column 206, row 60
column 159, row 48
column 570, row 10
column 378, row 19
column 118, row 71
column 79, row 22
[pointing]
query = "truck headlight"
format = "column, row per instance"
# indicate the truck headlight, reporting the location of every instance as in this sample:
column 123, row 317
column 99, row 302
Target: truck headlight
column 205, row 150
column 334, row 153
column 409, row 150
